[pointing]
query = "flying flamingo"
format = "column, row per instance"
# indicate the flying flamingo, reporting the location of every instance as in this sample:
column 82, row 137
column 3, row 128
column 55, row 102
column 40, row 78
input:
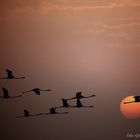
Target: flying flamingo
column 11, row 76
column 79, row 104
column 80, row 96
column 52, row 111
column 6, row 94
column 36, row 91
column 137, row 100
column 26, row 114
column 65, row 104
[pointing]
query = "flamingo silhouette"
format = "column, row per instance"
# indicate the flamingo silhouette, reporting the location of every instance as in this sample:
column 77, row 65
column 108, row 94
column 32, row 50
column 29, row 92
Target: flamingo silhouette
column 26, row 114
column 79, row 104
column 80, row 96
column 6, row 94
column 36, row 91
column 11, row 76
column 137, row 100
column 65, row 104
column 52, row 111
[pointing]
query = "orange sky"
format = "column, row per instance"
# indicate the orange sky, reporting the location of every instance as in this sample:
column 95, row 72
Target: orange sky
column 44, row 6
column 69, row 46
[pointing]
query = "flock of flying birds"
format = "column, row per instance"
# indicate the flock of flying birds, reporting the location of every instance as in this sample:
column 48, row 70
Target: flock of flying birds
column 37, row 91
column 65, row 103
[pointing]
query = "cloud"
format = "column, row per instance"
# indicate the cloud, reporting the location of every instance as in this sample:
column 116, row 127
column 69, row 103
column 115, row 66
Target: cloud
column 126, row 3
column 15, row 7
column 120, row 25
column 21, row 7
column 18, row 7
column 124, row 45
column 118, row 32
column 99, row 26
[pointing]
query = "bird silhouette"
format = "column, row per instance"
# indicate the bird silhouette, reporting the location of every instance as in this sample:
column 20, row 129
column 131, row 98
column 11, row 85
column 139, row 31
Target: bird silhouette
column 26, row 114
column 80, row 96
column 11, row 76
column 6, row 94
column 65, row 104
column 137, row 100
column 79, row 104
column 36, row 91
column 52, row 111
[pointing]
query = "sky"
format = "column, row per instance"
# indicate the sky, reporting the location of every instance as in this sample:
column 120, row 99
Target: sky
column 69, row 46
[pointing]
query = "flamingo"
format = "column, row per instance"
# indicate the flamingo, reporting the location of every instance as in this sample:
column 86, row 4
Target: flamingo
column 137, row 100
column 53, row 111
column 11, row 76
column 6, row 94
column 36, row 91
column 80, row 96
column 65, row 104
column 79, row 105
column 26, row 114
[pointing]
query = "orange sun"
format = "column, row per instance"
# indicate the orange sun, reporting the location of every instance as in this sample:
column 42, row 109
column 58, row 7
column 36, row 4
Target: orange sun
column 131, row 110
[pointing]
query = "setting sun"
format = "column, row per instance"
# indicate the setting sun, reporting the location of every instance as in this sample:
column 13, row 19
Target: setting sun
column 130, row 110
